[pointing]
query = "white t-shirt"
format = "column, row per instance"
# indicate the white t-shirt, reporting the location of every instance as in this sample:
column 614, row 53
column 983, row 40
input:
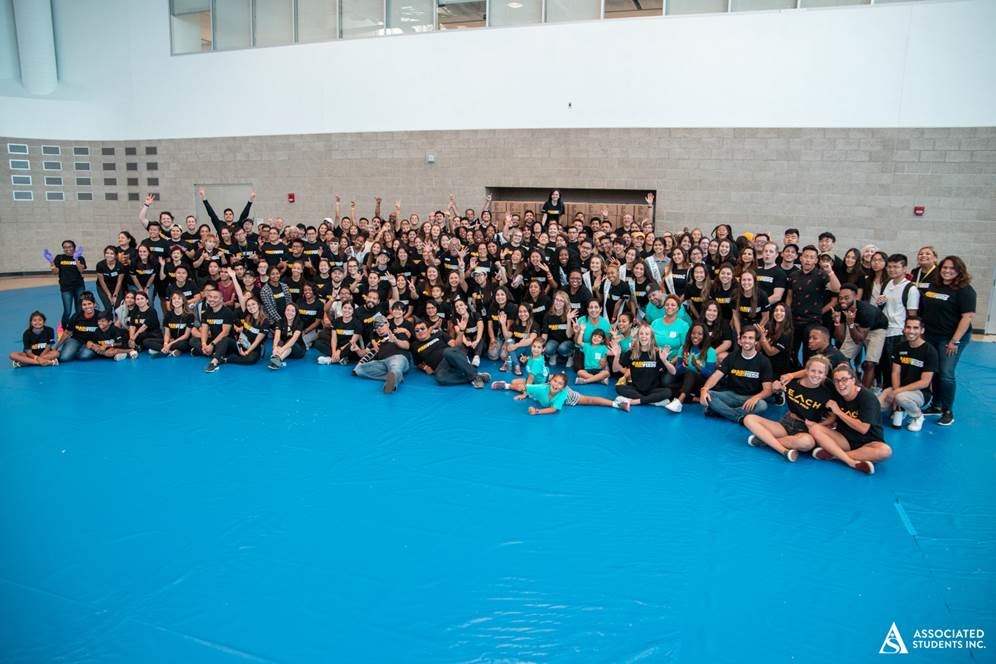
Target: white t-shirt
column 895, row 310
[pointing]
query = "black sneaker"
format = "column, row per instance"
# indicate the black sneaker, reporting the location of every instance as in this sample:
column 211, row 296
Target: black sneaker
column 947, row 419
column 933, row 410
column 779, row 399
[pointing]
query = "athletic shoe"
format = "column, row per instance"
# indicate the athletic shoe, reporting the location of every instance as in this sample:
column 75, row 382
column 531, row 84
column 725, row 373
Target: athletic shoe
column 274, row 364
column 876, row 390
column 792, row 456
column 505, row 367
column 133, row 354
column 605, row 381
column 153, row 353
column 16, row 364
column 499, row 385
column 933, row 410
column 122, row 356
column 779, row 399
column 477, row 382
column 518, row 370
column 324, row 359
column 175, row 353
column 53, row 363
column 553, row 362
column 897, row 419
column 212, row 366
column 623, row 405
column 866, row 467
column 674, row 407
column 344, row 361
column 390, row 383
column 156, row 355
column 822, row 454
column 485, row 377
column 947, row 419
column 753, row 441
column 476, row 362
column 916, row 423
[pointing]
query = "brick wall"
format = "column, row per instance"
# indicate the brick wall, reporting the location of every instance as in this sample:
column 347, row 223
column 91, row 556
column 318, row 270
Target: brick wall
column 860, row 183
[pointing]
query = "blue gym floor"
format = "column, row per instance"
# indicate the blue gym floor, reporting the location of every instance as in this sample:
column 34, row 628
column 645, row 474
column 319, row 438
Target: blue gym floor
column 155, row 513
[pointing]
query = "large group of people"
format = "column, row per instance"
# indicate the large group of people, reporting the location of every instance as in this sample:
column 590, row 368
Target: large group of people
column 735, row 323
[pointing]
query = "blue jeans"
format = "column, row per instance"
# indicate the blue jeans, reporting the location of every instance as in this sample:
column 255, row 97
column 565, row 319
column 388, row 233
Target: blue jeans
column 555, row 349
column 379, row 369
column 944, row 384
column 730, row 405
column 70, row 303
column 73, row 349
column 454, row 369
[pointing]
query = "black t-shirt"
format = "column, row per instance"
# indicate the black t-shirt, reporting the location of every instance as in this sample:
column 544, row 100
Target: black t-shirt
column 70, row 277
column 809, row 294
column 750, row 314
column 157, row 248
column 37, row 343
column 539, row 307
column 188, row 289
column 646, row 371
column 770, row 278
column 693, row 294
column 344, row 330
column 830, row 352
column 680, row 280
column 808, row 403
column 866, row 408
column 273, row 253
column 216, row 320
column 295, row 287
column 724, row 298
column 553, row 210
column 430, row 351
column 781, row 362
column 145, row 273
column 746, row 376
column 83, row 329
column 868, row 316
column 149, row 318
column 112, row 337
column 288, row 328
column 309, row 313
column 941, row 307
column 177, row 324
column 555, row 327
column 250, row 330
column 495, row 311
column 616, row 293
column 580, row 299
column 111, row 274
column 913, row 362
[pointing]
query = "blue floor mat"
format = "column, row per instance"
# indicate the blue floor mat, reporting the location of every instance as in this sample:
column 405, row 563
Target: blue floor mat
column 152, row 512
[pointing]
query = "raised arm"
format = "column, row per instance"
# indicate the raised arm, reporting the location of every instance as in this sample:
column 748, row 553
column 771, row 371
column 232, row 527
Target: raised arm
column 143, row 213
column 245, row 210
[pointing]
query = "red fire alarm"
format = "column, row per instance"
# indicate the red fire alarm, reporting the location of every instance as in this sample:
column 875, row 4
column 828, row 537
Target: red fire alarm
column 918, row 210
column 292, row 197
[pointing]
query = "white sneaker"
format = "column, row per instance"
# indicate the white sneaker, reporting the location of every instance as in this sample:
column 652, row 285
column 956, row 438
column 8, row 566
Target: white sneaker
column 916, row 423
column 121, row 356
column 674, row 406
column 476, row 362
column 753, row 441
column 897, row 419
column 663, row 404
column 324, row 359
column 621, row 399
column 133, row 354
column 553, row 362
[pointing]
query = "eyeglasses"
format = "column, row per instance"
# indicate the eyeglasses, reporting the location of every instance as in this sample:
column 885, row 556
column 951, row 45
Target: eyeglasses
column 842, row 380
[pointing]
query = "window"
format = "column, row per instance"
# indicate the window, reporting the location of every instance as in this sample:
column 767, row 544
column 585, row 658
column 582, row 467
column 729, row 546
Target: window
column 20, row 165
column 362, row 18
column 17, row 148
column 572, row 10
column 54, row 196
column 695, row 6
column 132, row 182
column 82, row 151
column 190, row 25
column 516, row 12
column 629, row 8
column 232, row 24
column 134, row 196
column 151, row 149
column 405, row 16
column 754, row 5
column 107, row 152
column 152, row 166
column 83, row 182
column 151, row 182
column 20, row 180
column 51, row 150
column 81, row 165
column 53, row 180
column 23, row 196
column 52, row 165
column 132, row 166
column 110, row 166
column 110, row 182
column 274, row 22
column 110, row 196
column 84, row 196
column 131, row 152
column 457, row 14
column 317, row 20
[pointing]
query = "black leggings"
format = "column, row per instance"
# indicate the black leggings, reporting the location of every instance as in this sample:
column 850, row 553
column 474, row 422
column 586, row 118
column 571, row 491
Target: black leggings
column 156, row 344
column 653, row 396
column 249, row 358
column 691, row 383
column 222, row 349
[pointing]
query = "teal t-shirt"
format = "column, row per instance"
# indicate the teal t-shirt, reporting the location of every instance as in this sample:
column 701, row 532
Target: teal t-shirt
column 653, row 312
column 593, row 356
column 541, row 393
column 672, row 334
column 602, row 324
column 536, row 367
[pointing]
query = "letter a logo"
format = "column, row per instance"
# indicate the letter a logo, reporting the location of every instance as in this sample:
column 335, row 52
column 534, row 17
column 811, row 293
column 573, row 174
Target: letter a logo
column 893, row 644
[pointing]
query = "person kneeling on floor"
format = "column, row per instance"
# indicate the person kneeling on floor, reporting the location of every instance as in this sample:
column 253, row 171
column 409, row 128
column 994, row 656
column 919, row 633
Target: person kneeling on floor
column 914, row 363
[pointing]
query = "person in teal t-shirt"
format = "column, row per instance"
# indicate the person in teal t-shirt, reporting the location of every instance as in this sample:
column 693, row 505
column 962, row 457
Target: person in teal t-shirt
column 551, row 397
column 671, row 330
column 536, row 369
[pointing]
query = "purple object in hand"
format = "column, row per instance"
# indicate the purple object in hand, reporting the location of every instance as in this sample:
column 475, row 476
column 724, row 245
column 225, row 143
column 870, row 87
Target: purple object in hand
column 78, row 252
column 47, row 255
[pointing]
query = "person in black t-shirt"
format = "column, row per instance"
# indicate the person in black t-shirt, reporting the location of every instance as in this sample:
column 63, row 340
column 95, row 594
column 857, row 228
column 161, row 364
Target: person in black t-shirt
column 858, row 440
column 436, row 355
column 110, row 279
column 178, row 326
column 553, row 209
column 859, row 324
column 109, row 341
column 39, row 344
column 69, row 265
column 288, row 341
column 746, row 376
column 216, row 331
column 389, row 360
column 644, row 367
column 82, row 327
column 810, row 293
column 143, row 324
column 914, row 363
column 807, row 398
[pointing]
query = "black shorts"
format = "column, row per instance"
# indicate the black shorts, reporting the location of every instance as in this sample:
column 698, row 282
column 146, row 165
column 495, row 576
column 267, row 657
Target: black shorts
column 854, row 440
column 793, row 425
